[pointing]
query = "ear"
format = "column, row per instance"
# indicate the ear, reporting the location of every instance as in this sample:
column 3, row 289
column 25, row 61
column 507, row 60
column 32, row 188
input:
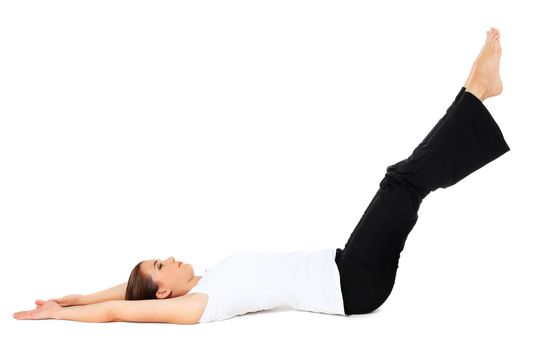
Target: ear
column 163, row 293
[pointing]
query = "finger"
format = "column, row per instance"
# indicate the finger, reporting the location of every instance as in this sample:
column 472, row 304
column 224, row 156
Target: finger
column 19, row 315
column 26, row 315
column 20, row 312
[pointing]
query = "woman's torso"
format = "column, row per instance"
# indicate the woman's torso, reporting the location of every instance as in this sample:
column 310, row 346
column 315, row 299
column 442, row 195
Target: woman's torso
column 250, row 281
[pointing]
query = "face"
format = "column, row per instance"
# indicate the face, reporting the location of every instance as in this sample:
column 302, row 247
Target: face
column 173, row 277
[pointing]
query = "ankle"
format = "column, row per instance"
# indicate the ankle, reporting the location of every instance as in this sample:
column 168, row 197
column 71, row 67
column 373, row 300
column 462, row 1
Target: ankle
column 478, row 89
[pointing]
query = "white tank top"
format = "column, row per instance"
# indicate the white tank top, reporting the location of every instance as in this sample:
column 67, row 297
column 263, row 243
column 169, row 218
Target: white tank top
column 250, row 281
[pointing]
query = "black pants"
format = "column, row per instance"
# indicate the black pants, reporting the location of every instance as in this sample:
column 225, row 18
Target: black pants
column 465, row 139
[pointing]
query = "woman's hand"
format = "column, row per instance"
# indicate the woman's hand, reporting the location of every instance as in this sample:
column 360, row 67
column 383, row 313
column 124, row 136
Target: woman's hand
column 68, row 300
column 44, row 310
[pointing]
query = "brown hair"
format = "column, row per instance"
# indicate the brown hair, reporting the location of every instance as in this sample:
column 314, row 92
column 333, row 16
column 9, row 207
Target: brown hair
column 140, row 286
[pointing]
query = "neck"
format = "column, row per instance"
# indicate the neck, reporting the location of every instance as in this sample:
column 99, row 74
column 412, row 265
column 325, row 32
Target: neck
column 193, row 282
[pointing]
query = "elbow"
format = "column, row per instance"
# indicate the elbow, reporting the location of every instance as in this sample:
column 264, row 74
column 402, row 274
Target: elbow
column 111, row 314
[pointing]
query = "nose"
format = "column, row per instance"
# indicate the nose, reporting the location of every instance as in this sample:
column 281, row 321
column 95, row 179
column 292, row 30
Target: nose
column 171, row 259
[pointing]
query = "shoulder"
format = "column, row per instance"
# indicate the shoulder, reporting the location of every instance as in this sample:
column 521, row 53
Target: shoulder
column 198, row 301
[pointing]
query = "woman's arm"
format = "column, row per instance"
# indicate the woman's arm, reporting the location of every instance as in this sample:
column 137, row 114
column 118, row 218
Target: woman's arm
column 114, row 293
column 180, row 310
column 98, row 312
column 186, row 309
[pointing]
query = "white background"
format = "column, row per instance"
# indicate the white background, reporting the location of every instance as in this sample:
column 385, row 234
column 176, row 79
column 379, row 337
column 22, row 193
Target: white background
column 132, row 130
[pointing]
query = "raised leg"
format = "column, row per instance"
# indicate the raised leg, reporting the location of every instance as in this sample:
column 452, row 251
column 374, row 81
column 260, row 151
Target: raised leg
column 465, row 139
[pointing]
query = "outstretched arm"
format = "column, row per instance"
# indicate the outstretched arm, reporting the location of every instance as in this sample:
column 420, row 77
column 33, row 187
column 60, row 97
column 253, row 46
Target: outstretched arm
column 180, row 310
column 114, row 293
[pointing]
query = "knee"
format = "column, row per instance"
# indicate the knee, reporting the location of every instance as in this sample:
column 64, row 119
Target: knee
column 413, row 195
column 404, row 180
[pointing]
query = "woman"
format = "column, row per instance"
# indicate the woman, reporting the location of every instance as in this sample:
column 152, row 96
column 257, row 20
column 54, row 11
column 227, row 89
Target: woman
column 354, row 280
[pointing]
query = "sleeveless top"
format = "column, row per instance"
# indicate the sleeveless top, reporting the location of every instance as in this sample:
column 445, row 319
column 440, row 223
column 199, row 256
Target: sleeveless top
column 250, row 281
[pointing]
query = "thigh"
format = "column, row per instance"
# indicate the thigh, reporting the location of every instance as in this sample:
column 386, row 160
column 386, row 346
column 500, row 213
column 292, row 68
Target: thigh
column 369, row 260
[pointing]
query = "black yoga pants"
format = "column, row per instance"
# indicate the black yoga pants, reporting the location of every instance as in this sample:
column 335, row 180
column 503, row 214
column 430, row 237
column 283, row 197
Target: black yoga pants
column 465, row 139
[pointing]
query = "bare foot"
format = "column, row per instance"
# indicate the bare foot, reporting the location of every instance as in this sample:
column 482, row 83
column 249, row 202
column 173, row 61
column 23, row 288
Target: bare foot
column 484, row 80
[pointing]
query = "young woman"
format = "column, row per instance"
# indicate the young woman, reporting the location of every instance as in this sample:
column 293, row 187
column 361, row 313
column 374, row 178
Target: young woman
column 354, row 280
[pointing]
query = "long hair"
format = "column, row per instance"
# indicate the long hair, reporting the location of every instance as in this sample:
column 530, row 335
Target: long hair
column 140, row 286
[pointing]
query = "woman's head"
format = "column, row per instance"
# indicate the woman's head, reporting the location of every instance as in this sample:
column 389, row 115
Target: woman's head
column 159, row 279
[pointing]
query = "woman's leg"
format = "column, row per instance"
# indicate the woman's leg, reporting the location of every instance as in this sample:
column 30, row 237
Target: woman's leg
column 464, row 140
